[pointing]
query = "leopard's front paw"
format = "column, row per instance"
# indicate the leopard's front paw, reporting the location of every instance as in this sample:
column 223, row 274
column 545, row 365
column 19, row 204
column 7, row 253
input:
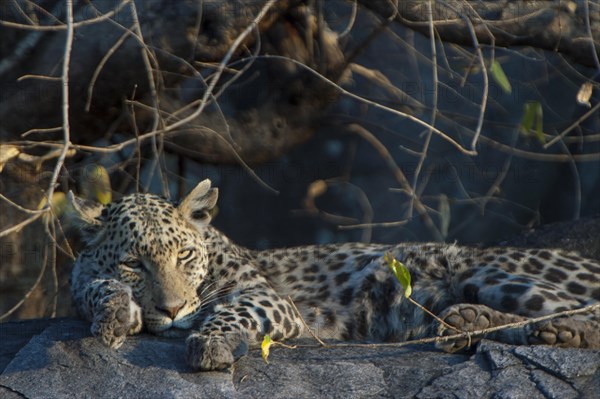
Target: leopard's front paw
column 214, row 352
column 210, row 353
column 118, row 316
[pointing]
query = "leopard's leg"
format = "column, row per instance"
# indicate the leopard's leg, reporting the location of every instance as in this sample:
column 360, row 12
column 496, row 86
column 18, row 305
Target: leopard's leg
column 561, row 332
column 232, row 327
column 109, row 305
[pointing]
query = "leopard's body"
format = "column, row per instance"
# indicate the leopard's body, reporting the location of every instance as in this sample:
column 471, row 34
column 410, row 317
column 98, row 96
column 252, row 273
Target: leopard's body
column 149, row 263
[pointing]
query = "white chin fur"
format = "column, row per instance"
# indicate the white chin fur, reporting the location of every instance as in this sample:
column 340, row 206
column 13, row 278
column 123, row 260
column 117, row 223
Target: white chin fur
column 162, row 326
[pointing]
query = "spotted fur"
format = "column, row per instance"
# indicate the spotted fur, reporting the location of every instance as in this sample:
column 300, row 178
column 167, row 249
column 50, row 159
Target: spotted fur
column 154, row 265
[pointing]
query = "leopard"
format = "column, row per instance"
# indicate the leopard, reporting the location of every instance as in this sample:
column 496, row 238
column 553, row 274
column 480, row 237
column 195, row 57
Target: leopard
column 153, row 265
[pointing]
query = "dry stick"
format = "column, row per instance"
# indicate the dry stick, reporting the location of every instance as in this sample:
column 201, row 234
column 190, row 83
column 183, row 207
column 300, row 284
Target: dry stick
column 588, row 29
column 371, row 225
column 350, row 25
column 277, row 343
column 374, row 104
column 576, row 182
column 492, row 143
column 424, row 309
column 174, row 115
column 367, row 219
column 495, row 187
column 51, row 231
column 211, row 86
column 65, row 103
column 65, row 126
column 62, row 26
column 535, row 156
column 61, row 159
column 399, row 175
column 473, row 35
column 22, row 209
column 20, row 50
column 40, row 77
column 43, row 11
column 518, row 324
column 101, row 64
column 42, row 130
column 484, row 96
column 155, row 100
column 22, row 12
column 30, row 291
column 575, row 124
column 66, row 137
column 434, row 110
column 304, row 322
column 16, row 228
column 204, row 101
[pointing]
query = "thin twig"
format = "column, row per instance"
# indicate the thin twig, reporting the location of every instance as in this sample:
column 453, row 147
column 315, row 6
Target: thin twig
column 434, row 109
column 399, row 175
column 62, row 26
column 446, row 338
column 375, row 104
column 65, row 104
column 19, row 226
column 22, row 209
column 371, row 225
column 435, row 317
column 588, row 28
column 351, row 21
column 575, row 124
column 39, row 77
column 101, row 64
column 222, row 65
column 304, row 322
column 576, row 182
column 30, row 291
column 145, row 51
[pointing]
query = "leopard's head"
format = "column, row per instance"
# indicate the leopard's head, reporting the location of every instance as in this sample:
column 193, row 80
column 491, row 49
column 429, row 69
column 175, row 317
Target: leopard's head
column 155, row 247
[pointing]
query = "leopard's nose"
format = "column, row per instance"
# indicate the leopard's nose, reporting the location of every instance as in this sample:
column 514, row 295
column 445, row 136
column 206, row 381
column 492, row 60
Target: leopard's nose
column 171, row 311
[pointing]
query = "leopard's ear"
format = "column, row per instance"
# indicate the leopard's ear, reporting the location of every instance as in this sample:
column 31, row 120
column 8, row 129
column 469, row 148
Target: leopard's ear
column 196, row 206
column 85, row 215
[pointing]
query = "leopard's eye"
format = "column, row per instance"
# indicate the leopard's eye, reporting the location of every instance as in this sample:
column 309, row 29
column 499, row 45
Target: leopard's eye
column 185, row 255
column 133, row 264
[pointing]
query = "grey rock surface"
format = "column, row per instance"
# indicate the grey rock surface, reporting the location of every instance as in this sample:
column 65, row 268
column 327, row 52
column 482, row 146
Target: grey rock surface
column 59, row 359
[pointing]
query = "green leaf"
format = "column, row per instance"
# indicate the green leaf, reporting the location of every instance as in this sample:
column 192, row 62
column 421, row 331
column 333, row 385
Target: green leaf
column 539, row 122
column 500, row 77
column 527, row 119
column 265, row 346
column 533, row 113
column 401, row 273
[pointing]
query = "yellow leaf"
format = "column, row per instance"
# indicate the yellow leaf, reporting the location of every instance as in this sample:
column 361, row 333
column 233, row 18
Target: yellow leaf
column 317, row 188
column 500, row 77
column 585, row 93
column 58, row 203
column 265, row 346
column 96, row 184
column 401, row 273
column 7, row 152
